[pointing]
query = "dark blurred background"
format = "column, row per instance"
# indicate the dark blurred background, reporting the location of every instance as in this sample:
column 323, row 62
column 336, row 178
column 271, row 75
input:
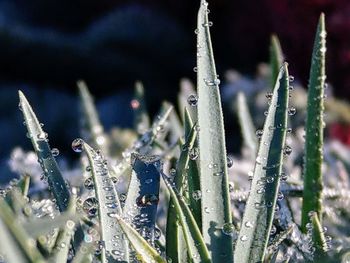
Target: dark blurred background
column 47, row 45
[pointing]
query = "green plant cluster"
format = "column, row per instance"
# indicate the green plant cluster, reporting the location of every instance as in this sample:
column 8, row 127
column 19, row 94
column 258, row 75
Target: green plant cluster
column 182, row 164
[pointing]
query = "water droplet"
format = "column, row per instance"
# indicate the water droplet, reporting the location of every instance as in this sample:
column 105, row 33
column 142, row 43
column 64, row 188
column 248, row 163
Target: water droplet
column 292, row 111
column 196, row 31
column 231, row 187
column 244, row 238
column 280, row 196
column 269, row 95
column 197, row 195
column 90, row 206
column 122, row 197
column 195, row 69
column 229, row 161
column 194, row 153
column 88, row 168
column 291, row 78
column 259, row 133
column 172, row 171
column 89, row 183
column 207, row 210
column 55, row 152
column 77, row 145
column 270, row 179
column 192, row 100
column 148, row 199
column 148, row 181
column 273, row 230
column 42, row 136
column 248, row 224
column 228, row 229
column 289, row 130
column 287, row 150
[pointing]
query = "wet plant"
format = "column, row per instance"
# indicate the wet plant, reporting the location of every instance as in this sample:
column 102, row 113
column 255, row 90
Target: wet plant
column 168, row 192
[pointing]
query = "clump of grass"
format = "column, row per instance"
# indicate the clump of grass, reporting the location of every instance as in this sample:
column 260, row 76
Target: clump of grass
column 111, row 216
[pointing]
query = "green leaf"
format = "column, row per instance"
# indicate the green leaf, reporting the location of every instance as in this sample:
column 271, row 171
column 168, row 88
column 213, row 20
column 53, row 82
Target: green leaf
column 276, row 58
column 92, row 127
column 197, row 250
column 65, row 235
column 312, row 199
column 47, row 161
column 318, row 238
column 143, row 195
column 25, row 244
column 193, row 180
column 216, row 211
column 108, row 208
column 138, row 104
column 36, row 227
column 186, row 90
column 23, row 184
column 259, row 211
column 9, row 249
column 174, row 235
column 145, row 252
column 246, row 123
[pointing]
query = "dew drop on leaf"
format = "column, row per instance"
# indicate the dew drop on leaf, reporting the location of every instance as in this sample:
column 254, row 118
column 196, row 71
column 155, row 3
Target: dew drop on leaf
column 55, row 152
column 77, row 145
column 192, row 100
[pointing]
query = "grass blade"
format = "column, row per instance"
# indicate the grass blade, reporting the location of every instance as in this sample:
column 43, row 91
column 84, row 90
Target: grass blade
column 145, row 252
column 186, row 90
column 259, row 211
column 197, row 249
column 47, row 161
column 276, row 58
column 143, row 195
column 318, row 238
column 138, row 104
column 312, row 200
column 92, row 127
column 25, row 243
column 108, row 208
column 246, row 123
column 65, row 236
column 174, row 235
column 213, row 164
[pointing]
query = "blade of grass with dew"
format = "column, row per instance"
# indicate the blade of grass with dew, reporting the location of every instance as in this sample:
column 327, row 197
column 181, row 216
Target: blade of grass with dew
column 259, row 211
column 23, row 184
column 186, row 90
column 92, row 127
column 108, row 207
column 65, row 235
column 276, row 58
column 246, row 123
column 312, row 199
column 46, row 159
column 193, row 180
column 143, row 195
column 142, row 145
column 9, row 249
column 146, row 253
column 197, row 249
column 36, row 227
column 24, row 241
column 138, row 104
column 174, row 235
column 319, row 239
column 174, row 123
column 216, row 212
